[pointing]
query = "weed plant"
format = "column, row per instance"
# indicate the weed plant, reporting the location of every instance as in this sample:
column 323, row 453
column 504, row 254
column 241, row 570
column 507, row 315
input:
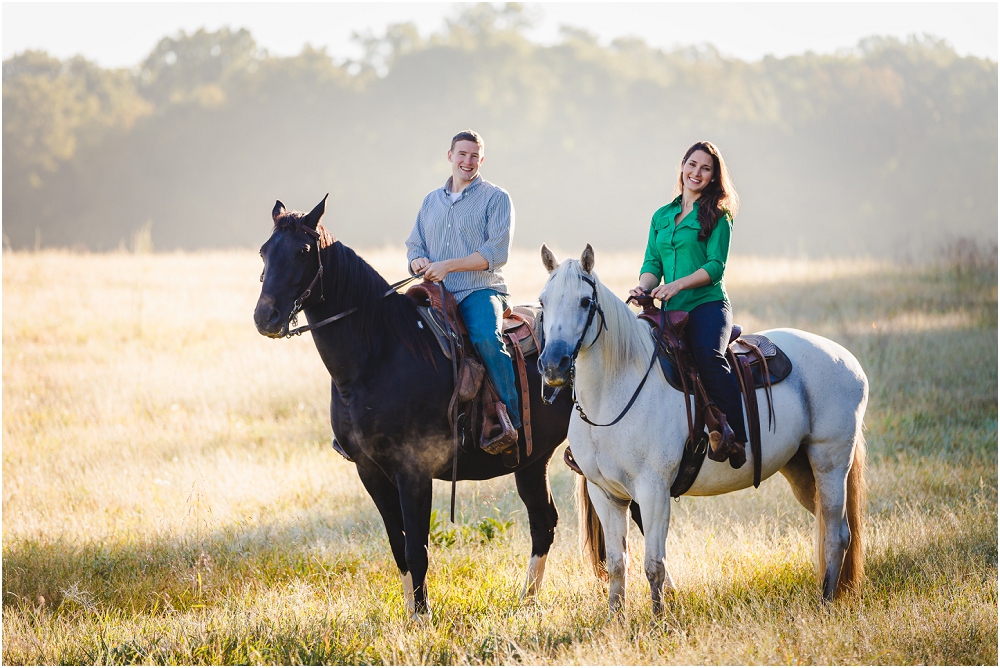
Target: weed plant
column 170, row 495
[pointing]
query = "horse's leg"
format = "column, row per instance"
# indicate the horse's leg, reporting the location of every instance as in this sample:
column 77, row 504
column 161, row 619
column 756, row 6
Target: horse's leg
column 799, row 475
column 830, row 465
column 614, row 518
column 533, row 488
column 633, row 509
column 415, row 491
column 656, row 508
column 386, row 498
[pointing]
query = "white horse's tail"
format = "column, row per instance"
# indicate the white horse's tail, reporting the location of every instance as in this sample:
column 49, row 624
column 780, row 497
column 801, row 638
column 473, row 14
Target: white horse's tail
column 591, row 532
column 853, row 571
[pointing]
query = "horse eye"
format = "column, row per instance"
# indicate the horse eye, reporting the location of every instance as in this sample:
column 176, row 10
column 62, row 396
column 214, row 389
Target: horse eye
column 304, row 250
column 585, row 302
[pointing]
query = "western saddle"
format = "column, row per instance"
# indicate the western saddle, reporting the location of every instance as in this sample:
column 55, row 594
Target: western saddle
column 756, row 362
column 439, row 311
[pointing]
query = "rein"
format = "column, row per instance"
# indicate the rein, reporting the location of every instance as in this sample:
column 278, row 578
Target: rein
column 299, row 304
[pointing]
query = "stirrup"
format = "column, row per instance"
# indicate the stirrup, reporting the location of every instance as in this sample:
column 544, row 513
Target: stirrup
column 507, row 438
column 718, row 449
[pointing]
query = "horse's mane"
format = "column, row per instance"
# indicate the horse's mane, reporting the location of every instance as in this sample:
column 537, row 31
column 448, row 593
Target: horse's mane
column 356, row 281
column 628, row 340
column 349, row 279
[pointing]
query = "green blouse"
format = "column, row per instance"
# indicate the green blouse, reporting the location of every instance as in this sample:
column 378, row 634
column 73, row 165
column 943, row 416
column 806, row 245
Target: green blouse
column 674, row 251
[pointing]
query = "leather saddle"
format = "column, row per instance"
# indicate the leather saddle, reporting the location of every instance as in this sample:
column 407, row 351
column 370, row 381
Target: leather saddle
column 744, row 346
column 439, row 312
column 755, row 360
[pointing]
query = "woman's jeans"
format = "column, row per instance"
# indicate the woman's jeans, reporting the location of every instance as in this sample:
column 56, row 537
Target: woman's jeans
column 482, row 312
column 708, row 329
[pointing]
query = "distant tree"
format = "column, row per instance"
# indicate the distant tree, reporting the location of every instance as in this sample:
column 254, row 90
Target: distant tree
column 832, row 154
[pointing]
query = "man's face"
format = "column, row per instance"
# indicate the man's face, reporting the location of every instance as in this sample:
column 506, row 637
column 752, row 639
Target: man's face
column 465, row 158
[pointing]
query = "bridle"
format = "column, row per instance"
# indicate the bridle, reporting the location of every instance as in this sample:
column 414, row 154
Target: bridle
column 300, row 303
column 595, row 308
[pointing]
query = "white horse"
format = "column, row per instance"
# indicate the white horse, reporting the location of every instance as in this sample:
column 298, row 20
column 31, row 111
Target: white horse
column 816, row 443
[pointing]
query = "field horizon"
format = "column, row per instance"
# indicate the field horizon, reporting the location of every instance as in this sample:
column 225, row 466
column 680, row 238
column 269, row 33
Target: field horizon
column 170, row 495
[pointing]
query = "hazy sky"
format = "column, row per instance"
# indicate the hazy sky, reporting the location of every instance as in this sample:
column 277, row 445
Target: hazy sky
column 122, row 34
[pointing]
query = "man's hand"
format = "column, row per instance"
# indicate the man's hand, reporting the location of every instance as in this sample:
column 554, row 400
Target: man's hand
column 419, row 265
column 436, row 271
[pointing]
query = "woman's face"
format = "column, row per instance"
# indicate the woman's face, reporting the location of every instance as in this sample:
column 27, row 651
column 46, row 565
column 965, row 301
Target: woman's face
column 697, row 171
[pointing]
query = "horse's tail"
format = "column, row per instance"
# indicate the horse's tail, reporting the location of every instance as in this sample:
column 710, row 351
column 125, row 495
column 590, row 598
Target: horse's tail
column 853, row 570
column 591, row 533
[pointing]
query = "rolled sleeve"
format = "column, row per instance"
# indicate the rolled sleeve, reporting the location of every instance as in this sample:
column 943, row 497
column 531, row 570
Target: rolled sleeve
column 415, row 244
column 499, row 231
column 652, row 264
column 717, row 248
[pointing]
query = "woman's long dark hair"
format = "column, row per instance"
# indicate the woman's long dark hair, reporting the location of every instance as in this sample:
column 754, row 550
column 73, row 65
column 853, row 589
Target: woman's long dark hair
column 718, row 197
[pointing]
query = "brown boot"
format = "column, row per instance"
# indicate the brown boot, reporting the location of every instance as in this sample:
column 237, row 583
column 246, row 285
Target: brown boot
column 738, row 455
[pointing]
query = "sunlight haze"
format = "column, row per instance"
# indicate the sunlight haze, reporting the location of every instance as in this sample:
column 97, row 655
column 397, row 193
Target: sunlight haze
column 122, row 34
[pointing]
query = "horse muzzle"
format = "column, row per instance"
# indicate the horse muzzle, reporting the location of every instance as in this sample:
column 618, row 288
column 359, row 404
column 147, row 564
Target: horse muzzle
column 268, row 319
column 555, row 365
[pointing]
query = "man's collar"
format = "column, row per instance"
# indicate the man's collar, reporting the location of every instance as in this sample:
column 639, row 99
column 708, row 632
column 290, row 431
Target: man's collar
column 475, row 182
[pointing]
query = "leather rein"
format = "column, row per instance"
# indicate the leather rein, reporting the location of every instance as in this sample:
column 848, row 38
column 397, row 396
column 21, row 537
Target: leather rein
column 594, row 309
column 293, row 315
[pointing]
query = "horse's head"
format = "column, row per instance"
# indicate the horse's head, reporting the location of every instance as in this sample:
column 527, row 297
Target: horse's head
column 569, row 306
column 293, row 271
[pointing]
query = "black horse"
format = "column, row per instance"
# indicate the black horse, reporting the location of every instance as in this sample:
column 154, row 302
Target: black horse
column 390, row 392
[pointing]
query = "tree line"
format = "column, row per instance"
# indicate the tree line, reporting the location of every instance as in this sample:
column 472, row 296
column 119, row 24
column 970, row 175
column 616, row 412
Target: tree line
column 888, row 148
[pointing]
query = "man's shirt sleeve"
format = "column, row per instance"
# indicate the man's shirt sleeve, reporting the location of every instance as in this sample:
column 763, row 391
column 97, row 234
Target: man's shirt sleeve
column 499, row 231
column 415, row 244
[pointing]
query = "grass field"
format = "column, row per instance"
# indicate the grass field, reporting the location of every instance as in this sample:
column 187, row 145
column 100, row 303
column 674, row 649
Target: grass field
column 170, row 495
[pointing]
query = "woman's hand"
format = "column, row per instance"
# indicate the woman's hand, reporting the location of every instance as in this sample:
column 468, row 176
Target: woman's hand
column 638, row 291
column 667, row 291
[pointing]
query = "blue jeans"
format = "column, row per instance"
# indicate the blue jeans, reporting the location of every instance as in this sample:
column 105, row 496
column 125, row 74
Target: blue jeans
column 708, row 329
column 482, row 312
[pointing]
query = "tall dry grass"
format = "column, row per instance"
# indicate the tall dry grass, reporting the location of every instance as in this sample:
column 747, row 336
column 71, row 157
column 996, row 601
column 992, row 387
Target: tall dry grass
column 170, row 496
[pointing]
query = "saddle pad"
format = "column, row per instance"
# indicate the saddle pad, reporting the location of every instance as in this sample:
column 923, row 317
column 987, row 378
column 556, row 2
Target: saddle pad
column 778, row 364
column 511, row 326
column 520, row 326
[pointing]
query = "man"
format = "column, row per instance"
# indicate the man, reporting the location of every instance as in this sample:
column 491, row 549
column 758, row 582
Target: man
column 462, row 237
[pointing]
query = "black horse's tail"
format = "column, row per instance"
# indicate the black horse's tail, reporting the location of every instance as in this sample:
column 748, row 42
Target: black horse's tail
column 592, row 547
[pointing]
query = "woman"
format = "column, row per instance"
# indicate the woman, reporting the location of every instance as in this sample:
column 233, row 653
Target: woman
column 688, row 247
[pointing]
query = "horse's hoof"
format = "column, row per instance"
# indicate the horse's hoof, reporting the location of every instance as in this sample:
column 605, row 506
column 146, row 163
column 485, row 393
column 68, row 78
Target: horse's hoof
column 423, row 618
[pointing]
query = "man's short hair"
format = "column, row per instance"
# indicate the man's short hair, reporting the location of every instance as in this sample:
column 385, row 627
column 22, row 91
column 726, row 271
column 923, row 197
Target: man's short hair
column 468, row 135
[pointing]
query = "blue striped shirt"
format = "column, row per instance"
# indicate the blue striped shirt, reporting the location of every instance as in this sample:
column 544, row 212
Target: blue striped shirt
column 481, row 219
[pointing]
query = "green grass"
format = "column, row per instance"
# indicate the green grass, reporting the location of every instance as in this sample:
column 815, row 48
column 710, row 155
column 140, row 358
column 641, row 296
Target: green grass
column 170, row 496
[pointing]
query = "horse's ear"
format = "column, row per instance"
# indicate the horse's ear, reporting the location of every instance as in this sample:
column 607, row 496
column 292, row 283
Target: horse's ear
column 549, row 259
column 587, row 259
column 312, row 220
column 277, row 211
